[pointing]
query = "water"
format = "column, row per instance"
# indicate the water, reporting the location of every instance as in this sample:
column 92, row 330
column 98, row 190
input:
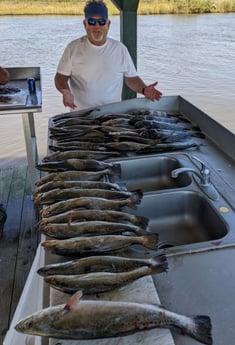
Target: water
column 191, row 56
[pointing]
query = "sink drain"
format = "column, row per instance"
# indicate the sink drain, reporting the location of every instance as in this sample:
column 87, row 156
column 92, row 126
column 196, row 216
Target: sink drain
column 165, row 245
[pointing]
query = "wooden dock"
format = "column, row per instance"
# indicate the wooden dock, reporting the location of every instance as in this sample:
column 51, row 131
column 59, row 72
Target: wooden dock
column 18, row 241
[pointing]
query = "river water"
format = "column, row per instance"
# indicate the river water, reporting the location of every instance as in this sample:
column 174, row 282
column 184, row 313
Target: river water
column 192, row 56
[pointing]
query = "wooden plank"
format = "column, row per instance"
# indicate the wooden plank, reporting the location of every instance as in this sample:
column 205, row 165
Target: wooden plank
column 9, row 243
column 5, row 183
column 28, row 242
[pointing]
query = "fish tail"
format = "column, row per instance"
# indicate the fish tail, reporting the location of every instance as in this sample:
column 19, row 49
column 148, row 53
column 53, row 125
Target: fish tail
column 135, row 199
column 142, row 221
column 116, row 169
column 151, row 241
column 49, row 244
column 159, row 264
column 139, row 194
column 201, row 329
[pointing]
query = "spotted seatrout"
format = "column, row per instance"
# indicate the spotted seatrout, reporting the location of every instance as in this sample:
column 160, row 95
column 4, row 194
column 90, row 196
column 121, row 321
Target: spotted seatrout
column 46, row 187
column 87, row 228
column 77, row 175
column 90, row 203
column 98, row 282
column 95, row 245
column 104, row 319
column 101, row 215
column 103, row 263
column 58, row 194
column 78, row 164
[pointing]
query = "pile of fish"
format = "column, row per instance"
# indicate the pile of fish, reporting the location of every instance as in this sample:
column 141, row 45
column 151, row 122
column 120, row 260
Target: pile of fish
column 141, row 131
column 87, row 223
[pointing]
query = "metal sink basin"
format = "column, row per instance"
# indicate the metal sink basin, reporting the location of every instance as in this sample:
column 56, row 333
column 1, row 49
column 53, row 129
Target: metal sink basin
column 182, row 217
column 151, row 173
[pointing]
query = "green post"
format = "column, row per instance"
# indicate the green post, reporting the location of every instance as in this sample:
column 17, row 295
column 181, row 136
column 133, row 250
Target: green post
column 128, row 33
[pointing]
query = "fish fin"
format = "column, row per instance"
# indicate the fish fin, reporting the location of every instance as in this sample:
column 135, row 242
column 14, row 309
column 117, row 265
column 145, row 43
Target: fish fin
column 142, row 221
column 151, row 241
column 70, row 219
column 159, row 264
column 116, row 169
column 49, row 244
column 134, row 199
column 73, row 301
column 200, row 329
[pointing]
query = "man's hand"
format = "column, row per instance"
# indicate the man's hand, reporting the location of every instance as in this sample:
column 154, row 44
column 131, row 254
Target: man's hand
column 68, row 99
column 151, row 93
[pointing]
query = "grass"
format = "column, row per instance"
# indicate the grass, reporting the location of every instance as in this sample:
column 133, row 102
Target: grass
column 146, row 7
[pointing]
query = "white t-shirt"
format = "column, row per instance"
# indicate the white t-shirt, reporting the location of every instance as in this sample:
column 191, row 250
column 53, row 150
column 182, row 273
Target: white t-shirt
column 96, row 72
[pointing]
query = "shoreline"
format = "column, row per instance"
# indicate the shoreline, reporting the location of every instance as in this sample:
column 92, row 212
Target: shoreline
column 146, row 7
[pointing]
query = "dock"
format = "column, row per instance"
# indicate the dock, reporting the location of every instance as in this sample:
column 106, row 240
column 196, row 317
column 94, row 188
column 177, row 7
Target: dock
column 18, row 240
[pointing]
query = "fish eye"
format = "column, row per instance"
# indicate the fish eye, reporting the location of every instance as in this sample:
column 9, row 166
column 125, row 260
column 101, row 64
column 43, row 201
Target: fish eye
column 29, row 324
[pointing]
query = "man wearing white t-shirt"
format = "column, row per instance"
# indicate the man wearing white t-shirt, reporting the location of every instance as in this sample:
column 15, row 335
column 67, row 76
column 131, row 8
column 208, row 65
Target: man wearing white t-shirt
column 93, row 68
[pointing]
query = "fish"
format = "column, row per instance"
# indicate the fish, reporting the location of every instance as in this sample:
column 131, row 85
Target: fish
column 78, row 145
column 66, row 116
column 87, row 228
column 169, row 147
column 105, row 263
column 73, row 121
column 94, row 136
column 126, row 146
column 96, row 245
column 58, row 194
column 76, row 176
column 97, row 282
column 80, row 154
column 90, row 202
column 79, row 164
column 97, row 319
column 102, row 215
column 46, row 187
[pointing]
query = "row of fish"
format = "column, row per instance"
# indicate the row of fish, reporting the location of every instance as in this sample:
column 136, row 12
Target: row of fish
column 86, row 218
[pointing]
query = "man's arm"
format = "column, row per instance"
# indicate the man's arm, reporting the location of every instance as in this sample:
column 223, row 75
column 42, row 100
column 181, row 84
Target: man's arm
column 62, row 85
column 4, row 75
column 136, row 84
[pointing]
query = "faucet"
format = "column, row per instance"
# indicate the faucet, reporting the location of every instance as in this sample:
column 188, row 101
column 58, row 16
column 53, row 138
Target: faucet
column 204, row 178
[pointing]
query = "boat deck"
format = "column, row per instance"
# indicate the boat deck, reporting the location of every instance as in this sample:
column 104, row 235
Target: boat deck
column 18, row 240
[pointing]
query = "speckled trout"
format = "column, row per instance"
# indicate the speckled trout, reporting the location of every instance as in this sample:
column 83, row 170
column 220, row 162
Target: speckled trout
column 58, row 194
column 90, row 203
column 87, row 228
column 95, row 245
column 103, row 263
column 101, row 215
column 98, row 282
column 77, row 175
column 94, row 319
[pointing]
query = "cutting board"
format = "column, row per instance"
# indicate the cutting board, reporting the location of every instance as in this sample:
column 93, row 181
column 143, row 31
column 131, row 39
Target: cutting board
column 142, row 291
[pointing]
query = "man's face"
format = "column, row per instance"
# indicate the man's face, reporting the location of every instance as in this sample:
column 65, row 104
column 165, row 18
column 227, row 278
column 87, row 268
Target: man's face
column 96, row 32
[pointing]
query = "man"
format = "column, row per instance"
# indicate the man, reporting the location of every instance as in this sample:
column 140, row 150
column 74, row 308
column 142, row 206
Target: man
column 4, row 75
column 93, row 68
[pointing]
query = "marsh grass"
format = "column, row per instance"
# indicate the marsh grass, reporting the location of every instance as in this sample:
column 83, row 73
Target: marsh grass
column 146, row 7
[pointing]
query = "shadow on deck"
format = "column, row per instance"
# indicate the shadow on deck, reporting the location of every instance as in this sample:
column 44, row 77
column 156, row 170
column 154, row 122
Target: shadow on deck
column 18, row 241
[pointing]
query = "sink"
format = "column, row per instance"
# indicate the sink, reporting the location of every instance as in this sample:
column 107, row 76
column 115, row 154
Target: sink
column 182, row 217
column 151, row 173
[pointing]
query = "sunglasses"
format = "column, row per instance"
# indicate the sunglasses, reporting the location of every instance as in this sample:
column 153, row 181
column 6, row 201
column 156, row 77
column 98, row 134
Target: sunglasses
column 92, row 21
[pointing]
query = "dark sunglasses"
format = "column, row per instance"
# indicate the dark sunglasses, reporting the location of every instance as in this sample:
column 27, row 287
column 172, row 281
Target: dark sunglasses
column 92, row 21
